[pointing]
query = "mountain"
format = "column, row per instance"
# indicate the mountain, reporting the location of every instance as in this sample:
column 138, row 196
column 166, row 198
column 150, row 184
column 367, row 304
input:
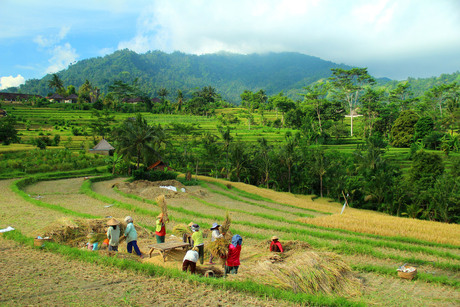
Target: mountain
column 230, row 74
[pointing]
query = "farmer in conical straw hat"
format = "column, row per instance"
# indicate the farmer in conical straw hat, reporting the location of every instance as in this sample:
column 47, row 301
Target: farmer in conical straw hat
column 160, row 230
column 215, row 233
column 113, row 234
column 275, row 245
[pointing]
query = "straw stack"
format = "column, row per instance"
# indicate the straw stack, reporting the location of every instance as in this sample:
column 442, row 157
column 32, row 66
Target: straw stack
column 164, row 209
column 226, row 224
column 310, row 273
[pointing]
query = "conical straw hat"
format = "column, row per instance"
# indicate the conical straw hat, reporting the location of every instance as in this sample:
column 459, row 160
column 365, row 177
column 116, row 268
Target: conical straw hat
column 112, row 222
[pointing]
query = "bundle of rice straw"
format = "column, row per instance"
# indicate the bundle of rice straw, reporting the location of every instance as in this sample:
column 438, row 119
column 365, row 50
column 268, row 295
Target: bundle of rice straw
column 310, row 273
column 224, row 228
column 164, row 209
column 219, row 248
column 180, row 229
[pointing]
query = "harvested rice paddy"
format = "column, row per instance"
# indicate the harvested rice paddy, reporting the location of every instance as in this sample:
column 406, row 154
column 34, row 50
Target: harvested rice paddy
column 372, row 252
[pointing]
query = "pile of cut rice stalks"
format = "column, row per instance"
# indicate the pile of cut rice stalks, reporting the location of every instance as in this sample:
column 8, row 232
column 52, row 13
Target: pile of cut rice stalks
column 76, row 232
column 308, row 272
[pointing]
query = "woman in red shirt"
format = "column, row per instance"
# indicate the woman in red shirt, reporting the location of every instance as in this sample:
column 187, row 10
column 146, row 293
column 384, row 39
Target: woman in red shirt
column 233, row 258
column 275, row 246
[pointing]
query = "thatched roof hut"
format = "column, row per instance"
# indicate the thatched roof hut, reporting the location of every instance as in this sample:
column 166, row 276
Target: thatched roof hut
column 103, row 148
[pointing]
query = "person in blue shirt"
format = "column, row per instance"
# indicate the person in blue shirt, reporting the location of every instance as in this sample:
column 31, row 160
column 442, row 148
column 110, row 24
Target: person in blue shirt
column 131, row 236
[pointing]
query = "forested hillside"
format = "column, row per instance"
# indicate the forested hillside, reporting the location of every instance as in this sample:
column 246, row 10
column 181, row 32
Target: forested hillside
column 229, row 74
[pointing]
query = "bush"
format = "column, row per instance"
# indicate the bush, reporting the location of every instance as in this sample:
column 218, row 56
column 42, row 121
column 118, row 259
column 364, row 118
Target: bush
column 433, row 140
column 143, row 174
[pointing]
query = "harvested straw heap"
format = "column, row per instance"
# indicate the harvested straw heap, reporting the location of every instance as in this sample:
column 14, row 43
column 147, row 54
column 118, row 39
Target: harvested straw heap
column 180, row 229
column 225, row 227
column 219, row 248
column 309, row 272
column 164, row 209
column 77, row 232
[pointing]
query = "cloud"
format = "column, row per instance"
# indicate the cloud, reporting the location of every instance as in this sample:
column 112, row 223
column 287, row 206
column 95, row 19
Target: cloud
column 52, row 39
column 351, row 32
column 6, row 82
column 62, row 57
column 61, row 54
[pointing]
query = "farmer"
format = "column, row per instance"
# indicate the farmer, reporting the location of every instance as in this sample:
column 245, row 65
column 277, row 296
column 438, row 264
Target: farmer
column 160, row 230
column 131, row 237
column 275, row 245
column 197, row 238
column 190, row 259
column 233, row 258
column 113, row 234
column 214, row 235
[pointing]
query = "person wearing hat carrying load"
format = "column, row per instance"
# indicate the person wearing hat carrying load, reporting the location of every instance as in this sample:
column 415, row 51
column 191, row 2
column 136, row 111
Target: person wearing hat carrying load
column 197, row 238
column 131, row 237
column 113, row 234
column 190, row 259
column 233, row 259
column 275, row 245
column 160, row 230
column 215, row 233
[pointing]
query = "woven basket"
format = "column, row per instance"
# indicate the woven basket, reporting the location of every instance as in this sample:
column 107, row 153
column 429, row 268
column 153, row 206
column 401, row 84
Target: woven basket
column 41, row 242
column 408, row 275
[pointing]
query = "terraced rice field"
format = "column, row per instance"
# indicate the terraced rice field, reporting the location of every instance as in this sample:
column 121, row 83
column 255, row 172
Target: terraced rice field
column 373, row 244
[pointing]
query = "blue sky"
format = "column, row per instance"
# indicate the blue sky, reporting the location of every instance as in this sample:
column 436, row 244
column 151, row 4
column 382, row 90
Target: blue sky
column 393, row 38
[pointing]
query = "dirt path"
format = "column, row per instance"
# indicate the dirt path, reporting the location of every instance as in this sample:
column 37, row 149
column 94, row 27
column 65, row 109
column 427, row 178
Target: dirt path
column 35, row 277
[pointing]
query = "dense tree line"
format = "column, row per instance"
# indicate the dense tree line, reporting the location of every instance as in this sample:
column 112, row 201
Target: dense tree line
column 367, row 176
column 300, row 164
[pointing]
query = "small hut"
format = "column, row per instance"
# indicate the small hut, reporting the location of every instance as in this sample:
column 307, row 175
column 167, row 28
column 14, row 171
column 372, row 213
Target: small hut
column 103, row 148
column 71, row 99
column 159, row 166
column 55, row 98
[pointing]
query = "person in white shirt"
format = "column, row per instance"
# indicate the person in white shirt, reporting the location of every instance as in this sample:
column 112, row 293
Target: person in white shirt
column 190, row 259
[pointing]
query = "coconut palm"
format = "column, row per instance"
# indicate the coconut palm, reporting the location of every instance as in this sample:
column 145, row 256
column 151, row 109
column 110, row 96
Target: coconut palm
column 136, row 138
column 56, row 83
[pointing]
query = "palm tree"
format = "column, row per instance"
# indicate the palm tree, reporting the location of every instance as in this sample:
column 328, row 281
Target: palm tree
column 163, row 92
column 227, row 138
column 137, row 139
column 180, row 100
column 56, row 83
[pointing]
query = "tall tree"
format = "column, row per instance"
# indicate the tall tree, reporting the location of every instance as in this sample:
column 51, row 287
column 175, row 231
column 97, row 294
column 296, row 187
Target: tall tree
column 288, row 156
column 56, row 83
column 136, row 138
column 163, row 92
column 180, row 100
column 315, row 97
column 264, row 150
column 370, row 102
column 350, row 84
column 227, row 138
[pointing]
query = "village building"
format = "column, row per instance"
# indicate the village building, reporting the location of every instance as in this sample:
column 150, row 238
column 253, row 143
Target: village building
column 16, row 97
column 55, row 98
column 159, row 166
column 103, row 148
column 71, row 98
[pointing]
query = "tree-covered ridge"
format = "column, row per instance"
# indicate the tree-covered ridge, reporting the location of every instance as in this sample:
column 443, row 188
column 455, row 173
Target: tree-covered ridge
column 230, row 74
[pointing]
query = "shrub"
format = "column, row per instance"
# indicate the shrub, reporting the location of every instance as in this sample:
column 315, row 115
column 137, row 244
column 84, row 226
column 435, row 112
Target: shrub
column 143, row 174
